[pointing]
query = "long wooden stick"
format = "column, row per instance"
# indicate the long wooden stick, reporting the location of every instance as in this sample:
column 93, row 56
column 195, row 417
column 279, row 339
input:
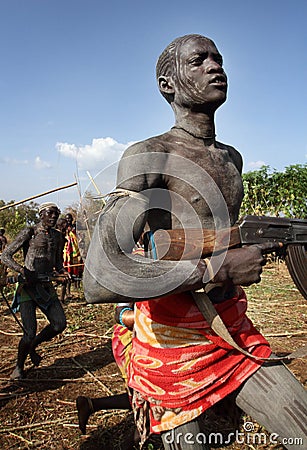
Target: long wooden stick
column 105, row 388
column 93, row 182
column 95, row 186
column 38, row 195
column 31, row 425
column 80, row 199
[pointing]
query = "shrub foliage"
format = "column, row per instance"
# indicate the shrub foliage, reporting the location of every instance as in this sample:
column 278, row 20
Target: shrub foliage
column 280, row 194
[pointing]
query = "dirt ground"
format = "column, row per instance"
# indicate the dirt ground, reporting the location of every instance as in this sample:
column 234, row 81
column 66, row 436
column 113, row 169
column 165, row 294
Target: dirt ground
column 40, row 412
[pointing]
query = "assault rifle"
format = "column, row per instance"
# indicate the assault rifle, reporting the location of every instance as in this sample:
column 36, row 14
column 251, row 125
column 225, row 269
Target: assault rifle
column 197, row 243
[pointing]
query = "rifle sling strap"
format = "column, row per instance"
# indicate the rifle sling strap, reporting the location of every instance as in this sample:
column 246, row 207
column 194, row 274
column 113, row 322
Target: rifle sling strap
column 214, row 320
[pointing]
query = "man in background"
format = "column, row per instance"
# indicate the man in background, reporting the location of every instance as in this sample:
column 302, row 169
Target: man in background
column 3, row 240
column 42, row 247
column 72, row 258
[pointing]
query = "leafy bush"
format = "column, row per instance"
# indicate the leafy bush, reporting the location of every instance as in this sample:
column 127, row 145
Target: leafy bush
column 268, row 192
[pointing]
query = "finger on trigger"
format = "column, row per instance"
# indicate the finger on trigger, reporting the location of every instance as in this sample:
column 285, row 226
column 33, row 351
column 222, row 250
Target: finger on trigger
column 268, row 247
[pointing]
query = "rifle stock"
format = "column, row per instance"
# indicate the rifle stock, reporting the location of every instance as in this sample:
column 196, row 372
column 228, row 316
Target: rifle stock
column 194, row 243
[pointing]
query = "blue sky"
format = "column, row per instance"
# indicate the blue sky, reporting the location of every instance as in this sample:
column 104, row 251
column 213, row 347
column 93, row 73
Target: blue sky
column 77, row 84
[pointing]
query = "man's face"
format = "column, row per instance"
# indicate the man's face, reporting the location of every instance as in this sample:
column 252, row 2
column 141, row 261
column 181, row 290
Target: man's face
column 69, row 219
column 200, row 78
column 49, row 216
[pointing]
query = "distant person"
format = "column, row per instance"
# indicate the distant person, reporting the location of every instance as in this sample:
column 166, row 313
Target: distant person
column 3, row 240
column 3, row 268
column 62, row 225
column 42, row 247
column 72, row 257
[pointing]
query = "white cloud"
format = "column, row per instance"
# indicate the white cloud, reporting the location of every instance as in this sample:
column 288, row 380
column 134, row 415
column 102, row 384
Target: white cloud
column 256, row 164
column 13, row 161
column 39, row 164
column 100, row 153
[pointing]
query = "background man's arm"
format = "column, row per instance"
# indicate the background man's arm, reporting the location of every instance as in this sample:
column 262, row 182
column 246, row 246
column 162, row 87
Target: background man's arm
column 8, row 253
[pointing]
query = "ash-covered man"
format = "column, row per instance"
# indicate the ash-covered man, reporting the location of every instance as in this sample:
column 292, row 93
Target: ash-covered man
column 185, row 178
column 42, row 247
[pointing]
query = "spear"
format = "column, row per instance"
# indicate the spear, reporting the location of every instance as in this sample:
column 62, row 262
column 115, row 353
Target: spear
column 38, row 195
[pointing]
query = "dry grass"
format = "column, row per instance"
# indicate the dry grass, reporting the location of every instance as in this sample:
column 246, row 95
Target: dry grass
column 40, row 412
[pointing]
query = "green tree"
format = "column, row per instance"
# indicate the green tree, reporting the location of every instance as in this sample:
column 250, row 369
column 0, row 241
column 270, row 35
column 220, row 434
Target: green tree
column 273, row 193
column 14, row 218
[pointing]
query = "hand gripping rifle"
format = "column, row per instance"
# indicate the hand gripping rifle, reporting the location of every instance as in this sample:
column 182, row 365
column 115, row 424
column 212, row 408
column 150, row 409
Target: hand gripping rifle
column 290, row 236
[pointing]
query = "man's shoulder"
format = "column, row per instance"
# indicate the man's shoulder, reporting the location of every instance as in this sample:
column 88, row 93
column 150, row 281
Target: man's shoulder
column 234, row 154
column 227, row 147
column 152, row 144
column 24, row 235
column 27, row 231
column 143, row 163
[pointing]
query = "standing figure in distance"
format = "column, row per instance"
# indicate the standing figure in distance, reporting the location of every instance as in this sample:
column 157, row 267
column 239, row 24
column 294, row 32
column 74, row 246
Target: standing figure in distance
column 72, row 258
column 185, row 178
column 3, row 240
column 61, row 225
column 43, row 257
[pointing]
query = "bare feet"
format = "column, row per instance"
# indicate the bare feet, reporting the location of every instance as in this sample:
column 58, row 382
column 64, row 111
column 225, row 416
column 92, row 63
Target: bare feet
column 17, row 374
column 85, row 409
column 35, row 358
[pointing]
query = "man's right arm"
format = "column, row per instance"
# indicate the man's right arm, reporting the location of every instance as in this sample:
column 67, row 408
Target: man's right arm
column 112, row 274
column 9, row 251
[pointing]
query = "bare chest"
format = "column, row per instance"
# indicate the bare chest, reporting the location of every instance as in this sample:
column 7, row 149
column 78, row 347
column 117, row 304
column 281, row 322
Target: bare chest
column 205, row 185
